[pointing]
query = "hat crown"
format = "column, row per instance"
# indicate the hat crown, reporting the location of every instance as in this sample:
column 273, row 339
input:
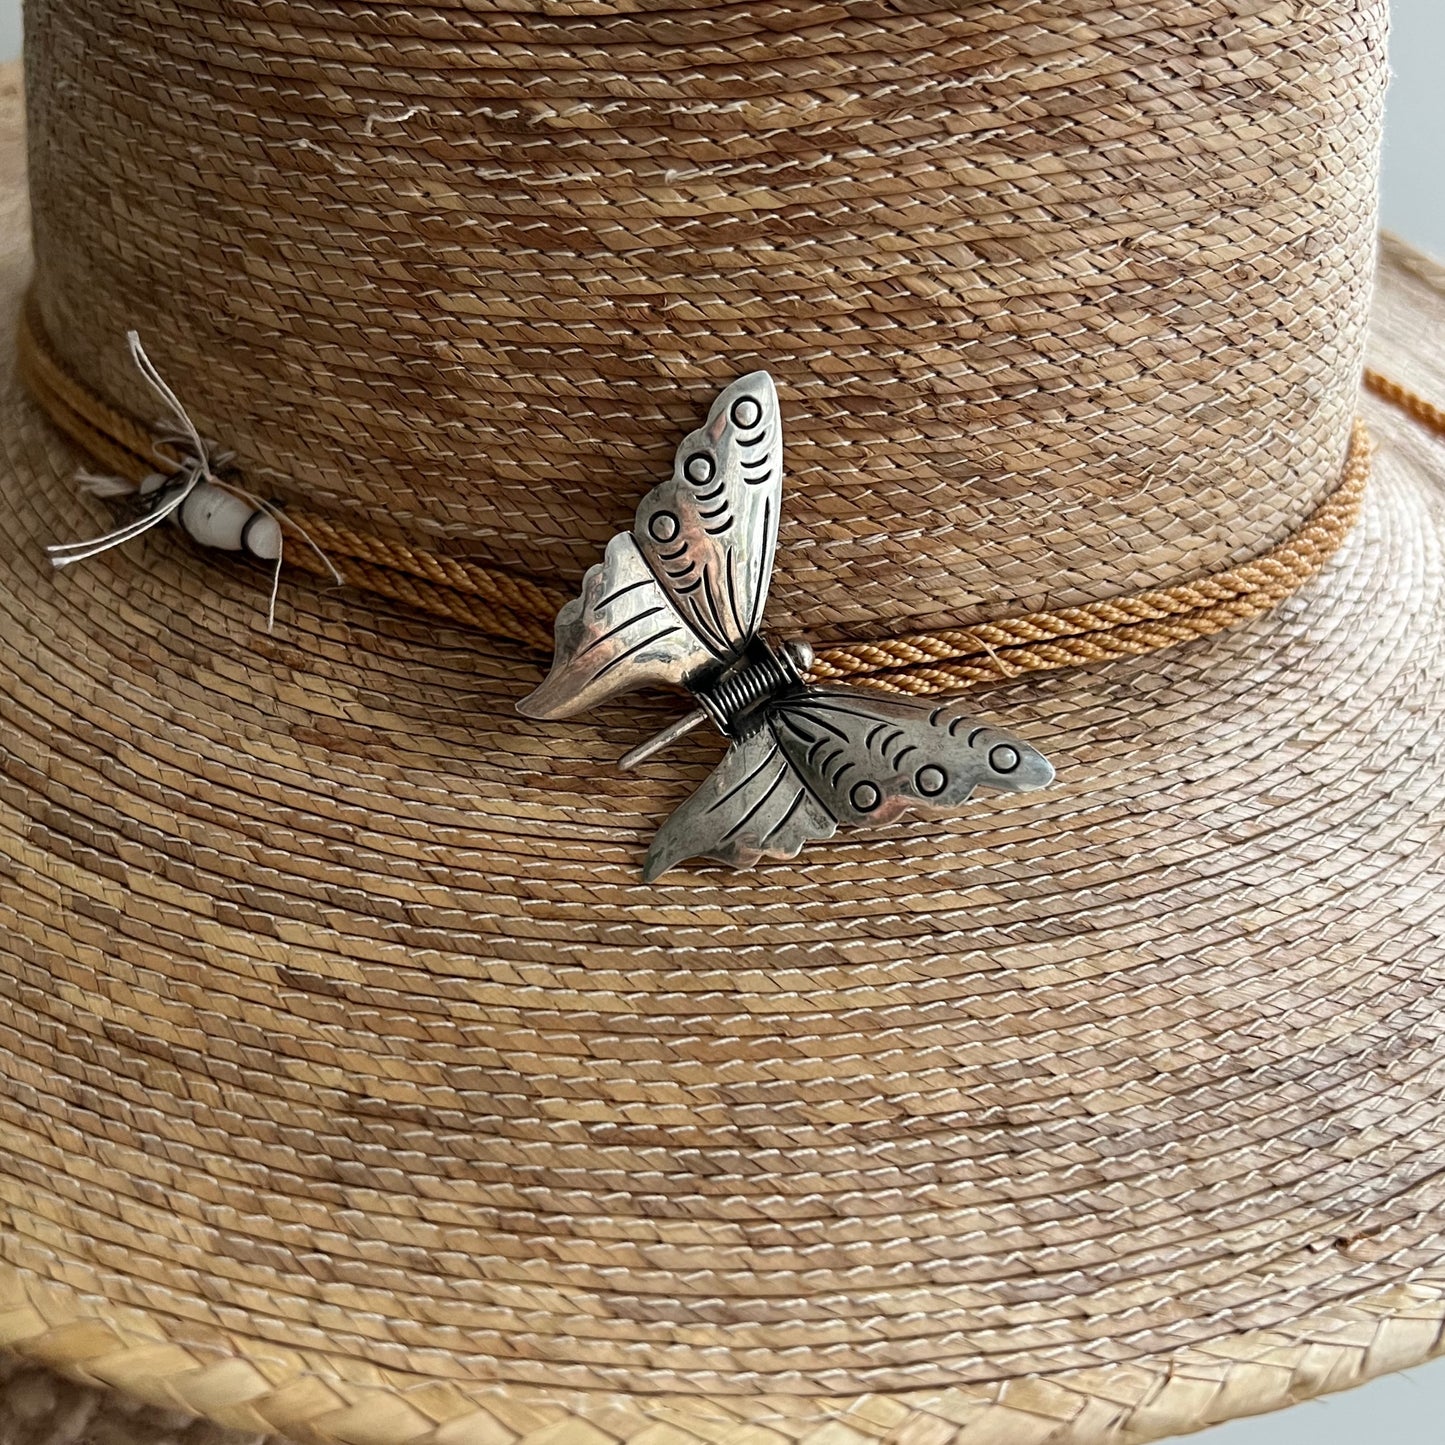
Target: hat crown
column 1057, row 308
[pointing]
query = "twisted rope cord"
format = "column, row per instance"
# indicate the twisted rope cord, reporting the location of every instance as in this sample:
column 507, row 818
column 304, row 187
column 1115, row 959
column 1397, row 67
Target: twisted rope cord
column 937, row 662
column 920, row 664
column 1425, row 412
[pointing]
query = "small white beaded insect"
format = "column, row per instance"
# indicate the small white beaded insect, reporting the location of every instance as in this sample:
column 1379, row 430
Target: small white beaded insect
column 212, row 510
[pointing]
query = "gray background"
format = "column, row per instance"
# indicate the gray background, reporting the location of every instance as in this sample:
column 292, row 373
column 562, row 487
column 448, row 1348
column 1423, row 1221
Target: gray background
column 1406, row 1409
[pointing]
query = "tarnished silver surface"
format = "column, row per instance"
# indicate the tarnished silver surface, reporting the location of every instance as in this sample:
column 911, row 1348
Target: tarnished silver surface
column 679, row 600
column 682, row 594
column 821, row 758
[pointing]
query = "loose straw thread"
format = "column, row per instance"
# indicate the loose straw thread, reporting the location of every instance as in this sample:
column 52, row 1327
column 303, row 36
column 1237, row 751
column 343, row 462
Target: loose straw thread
column 920, row 664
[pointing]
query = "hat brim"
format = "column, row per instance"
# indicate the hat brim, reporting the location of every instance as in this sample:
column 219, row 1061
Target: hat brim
column 356, row 1089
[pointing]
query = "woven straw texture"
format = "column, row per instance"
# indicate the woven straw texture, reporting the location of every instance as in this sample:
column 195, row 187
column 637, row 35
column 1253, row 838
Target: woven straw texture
column 354, row 1090
column 1067, row 299
column 506, row 605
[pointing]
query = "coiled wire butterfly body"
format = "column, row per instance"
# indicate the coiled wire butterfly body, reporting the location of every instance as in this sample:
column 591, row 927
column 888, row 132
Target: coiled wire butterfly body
column 679, row 600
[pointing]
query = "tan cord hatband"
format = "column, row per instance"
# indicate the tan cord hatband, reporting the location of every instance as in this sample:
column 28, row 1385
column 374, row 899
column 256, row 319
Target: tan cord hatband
column 1425, row 412
column 506, row 605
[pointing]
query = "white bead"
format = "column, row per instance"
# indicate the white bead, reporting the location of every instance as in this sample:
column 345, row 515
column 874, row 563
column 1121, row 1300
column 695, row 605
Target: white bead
column 264, row 538
column 215, row 518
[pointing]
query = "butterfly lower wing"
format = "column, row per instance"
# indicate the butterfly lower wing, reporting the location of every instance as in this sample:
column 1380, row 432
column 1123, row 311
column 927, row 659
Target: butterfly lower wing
column 710, row 532
column 621, row 632
column 822, row 758
column 869, row 759
column 753, row 804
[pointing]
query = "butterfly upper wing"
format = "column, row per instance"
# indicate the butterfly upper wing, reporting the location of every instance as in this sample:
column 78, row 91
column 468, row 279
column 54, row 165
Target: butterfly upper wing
column 622, row 632
column 684, row 590
column 825, row 757
column 710, row 533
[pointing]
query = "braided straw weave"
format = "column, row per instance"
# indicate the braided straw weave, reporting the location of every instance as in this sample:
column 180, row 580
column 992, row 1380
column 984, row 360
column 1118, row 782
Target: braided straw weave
column 353, row 1089
column 505, row 605
column 465, row 276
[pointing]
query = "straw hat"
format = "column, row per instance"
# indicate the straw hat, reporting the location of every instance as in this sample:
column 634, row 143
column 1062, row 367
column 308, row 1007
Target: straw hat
column 357, row 1089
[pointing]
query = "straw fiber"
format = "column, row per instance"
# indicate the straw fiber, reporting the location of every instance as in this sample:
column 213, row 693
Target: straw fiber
column 505, row 604
column 353, row 1089
column 468, row 273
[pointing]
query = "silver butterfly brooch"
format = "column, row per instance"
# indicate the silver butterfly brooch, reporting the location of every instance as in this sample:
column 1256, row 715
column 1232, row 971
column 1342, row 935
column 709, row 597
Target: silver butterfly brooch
column 679, row 600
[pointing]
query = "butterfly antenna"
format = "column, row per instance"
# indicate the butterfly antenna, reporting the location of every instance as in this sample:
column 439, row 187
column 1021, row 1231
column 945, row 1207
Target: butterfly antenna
column 275, row 585
column 162, row 389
